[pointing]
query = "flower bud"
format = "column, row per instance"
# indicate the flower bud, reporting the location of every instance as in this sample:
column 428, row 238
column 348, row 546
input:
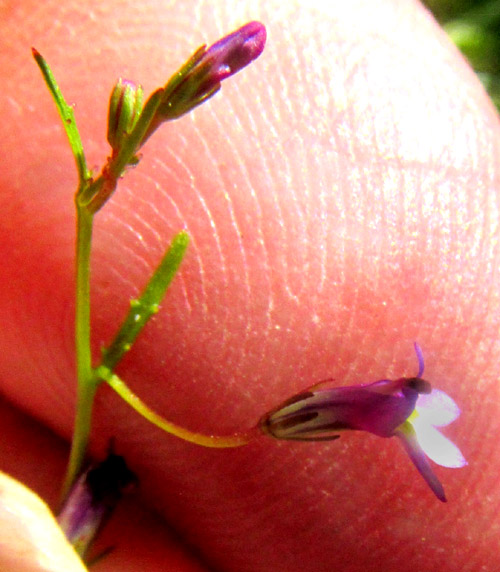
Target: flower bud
column 125, row 106
column 201, row 76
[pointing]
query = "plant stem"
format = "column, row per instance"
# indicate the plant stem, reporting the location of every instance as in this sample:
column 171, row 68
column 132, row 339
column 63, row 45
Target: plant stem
column 87, row 382
column 141, row 310
column 90, row 197
column 212, row 441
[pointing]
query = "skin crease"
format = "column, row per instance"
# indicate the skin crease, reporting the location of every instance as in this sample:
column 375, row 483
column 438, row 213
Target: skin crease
column 341, row 195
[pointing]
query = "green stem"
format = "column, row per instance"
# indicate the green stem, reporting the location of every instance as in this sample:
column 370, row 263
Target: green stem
column 87, row 382
column 144, row 307
column 212, row 441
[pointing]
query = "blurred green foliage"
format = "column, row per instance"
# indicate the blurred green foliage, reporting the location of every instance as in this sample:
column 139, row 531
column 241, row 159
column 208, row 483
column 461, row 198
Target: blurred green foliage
column 474, row 26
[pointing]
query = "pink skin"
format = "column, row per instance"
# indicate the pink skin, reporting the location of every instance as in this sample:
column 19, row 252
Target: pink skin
column 341, row 196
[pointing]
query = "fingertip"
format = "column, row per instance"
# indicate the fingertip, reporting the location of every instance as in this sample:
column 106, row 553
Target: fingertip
column 31, row 538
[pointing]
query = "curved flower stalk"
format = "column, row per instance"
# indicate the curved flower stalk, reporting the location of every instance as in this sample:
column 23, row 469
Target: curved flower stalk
column 407, row 408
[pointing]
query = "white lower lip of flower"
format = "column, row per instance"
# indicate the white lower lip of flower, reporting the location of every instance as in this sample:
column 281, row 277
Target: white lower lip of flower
column 437, row 408
column 436, row 446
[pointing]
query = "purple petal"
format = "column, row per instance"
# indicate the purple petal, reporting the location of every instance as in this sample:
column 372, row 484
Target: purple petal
column 80, row 518
column 410, row 443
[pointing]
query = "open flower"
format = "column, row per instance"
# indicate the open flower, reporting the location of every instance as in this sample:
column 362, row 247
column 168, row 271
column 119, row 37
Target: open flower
column 407, row 408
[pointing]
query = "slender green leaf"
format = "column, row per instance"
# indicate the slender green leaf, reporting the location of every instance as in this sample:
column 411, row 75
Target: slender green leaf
column 67, row 116
column 144, row 307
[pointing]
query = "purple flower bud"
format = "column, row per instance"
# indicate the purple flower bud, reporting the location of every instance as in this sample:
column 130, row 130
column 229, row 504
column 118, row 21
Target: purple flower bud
column 92, row 499
column 201, row 76
column 231, row 54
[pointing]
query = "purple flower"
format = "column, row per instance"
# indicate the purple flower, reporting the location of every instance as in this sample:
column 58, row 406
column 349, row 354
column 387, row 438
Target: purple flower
column 407, row 408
